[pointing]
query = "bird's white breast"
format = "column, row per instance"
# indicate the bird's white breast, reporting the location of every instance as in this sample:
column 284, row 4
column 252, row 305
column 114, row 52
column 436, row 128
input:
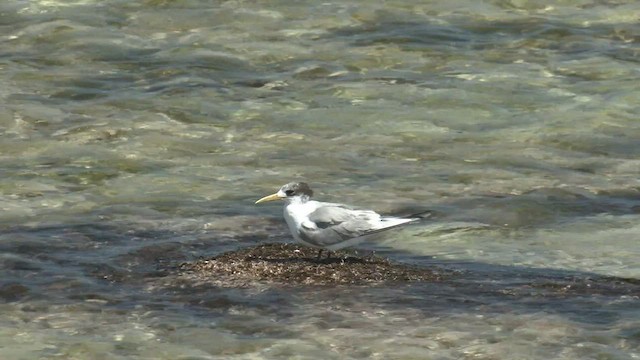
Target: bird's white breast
column 297, row 213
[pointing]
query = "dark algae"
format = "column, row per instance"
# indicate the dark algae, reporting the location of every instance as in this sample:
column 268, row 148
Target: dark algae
column 293, row 264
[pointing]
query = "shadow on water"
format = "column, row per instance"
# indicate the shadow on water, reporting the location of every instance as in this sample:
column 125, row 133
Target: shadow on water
column 536, row 208
column 471, row 287
column 125, row 267
column 531, row 33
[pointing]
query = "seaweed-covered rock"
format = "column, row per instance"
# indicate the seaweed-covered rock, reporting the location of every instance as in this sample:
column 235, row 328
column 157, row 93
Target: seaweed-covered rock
column 295, row 265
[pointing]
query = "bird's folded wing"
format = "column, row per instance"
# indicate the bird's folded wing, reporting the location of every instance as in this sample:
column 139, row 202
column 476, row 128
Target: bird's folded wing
column 333, row 224
column 330, row 215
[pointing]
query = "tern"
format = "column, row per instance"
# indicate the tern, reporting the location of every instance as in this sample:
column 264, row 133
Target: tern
column 329, row 226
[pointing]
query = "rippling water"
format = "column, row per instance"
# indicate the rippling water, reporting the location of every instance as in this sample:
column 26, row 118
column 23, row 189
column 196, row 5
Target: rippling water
column 137, row 134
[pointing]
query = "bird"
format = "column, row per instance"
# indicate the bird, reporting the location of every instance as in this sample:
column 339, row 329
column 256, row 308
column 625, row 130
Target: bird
column 329, row 226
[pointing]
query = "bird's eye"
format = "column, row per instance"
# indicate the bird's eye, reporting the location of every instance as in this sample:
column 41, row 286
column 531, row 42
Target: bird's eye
column 289, row 192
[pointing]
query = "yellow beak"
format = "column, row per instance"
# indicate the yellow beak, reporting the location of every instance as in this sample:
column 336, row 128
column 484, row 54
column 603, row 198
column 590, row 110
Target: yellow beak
column 271, row 197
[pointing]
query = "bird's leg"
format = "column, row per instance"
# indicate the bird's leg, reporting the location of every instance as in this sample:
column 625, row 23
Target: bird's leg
column 328, row 254
column 372, row 255
column 319, row 254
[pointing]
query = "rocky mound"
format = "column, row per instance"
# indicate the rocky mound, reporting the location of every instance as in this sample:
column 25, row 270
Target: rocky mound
column 296, row 264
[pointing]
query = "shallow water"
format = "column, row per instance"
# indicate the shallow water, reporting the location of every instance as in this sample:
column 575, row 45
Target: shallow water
column 137, row 135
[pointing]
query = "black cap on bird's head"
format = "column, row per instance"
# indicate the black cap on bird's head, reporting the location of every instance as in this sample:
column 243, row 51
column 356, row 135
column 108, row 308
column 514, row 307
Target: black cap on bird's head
column 296, row 188
column 289, row 190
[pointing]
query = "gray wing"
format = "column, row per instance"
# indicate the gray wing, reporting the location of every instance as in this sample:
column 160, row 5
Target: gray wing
column 331, row 215
column 333, row 224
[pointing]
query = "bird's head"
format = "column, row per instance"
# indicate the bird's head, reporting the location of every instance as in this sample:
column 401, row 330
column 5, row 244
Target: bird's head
column 290, row 192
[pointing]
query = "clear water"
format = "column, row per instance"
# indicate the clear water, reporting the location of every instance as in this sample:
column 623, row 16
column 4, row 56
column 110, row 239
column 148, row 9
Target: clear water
column 137, row 134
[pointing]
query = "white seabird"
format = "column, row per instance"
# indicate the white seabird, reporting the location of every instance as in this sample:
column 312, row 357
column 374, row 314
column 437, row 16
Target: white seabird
column 329, row 226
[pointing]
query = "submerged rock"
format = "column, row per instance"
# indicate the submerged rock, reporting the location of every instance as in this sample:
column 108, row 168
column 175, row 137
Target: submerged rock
column 294, row 265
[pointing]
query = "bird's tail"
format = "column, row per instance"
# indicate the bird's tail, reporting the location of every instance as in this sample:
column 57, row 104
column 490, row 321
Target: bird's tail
column 420, row 215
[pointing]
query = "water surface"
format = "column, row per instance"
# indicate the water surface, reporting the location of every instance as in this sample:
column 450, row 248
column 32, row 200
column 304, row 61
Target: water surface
column 136, row 135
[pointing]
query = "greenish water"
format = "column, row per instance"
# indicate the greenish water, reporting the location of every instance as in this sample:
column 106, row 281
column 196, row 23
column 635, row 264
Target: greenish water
column 137, row 134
